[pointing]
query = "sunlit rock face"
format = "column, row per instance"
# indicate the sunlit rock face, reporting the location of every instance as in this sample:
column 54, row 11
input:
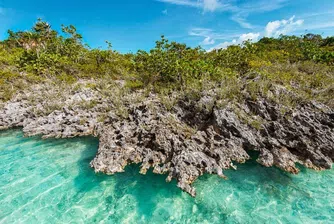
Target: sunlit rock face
column 190, row 139
column 186, row 144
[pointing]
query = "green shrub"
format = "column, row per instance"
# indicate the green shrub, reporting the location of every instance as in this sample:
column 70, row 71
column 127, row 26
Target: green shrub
column 302, row 65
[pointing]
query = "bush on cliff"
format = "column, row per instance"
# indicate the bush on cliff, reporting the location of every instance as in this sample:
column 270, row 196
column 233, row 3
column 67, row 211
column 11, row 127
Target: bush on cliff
column 300, row 64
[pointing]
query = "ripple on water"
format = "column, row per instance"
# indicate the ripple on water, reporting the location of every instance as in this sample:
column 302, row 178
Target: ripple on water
column 51, row 181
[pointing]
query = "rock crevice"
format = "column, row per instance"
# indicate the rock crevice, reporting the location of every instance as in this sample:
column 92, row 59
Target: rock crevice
column 186, row 142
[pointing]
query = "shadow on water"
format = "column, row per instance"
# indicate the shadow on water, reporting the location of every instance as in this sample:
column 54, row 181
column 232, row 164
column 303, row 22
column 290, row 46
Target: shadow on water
column 145, row 189
column 251, row 175
column 148, row 198
column 87, row 179
column 149, row 190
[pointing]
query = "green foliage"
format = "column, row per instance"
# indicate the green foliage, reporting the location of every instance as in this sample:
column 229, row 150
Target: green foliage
column 233, row 57
column 172, row 63
column 303, row 65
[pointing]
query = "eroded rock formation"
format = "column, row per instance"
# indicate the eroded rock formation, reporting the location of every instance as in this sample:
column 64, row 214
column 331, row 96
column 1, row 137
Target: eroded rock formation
column 186, row 142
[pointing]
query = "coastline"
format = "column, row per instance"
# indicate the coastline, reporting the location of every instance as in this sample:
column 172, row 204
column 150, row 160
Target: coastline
column 186, row 140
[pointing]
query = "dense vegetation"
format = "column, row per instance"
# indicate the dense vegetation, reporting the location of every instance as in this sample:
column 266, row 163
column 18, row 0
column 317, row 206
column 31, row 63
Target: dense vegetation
column 303, row 65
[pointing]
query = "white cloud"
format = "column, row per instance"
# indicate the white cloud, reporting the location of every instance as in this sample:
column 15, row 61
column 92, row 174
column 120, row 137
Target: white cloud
column 182, row 2
column 165, row 12
column 262, row 5
column 241, row 20
column 210, row 5
column 278, row 27
column 272, row 29
column 244, row 37
column 208, row 41
column 249, row 36
column 223, row 45
column 200, row 32
column 210, row 37
column 205, row 5
column 251, row 7
column 240, row 11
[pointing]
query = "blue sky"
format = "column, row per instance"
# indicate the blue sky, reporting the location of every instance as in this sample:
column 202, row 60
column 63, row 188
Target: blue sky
column 136, row 24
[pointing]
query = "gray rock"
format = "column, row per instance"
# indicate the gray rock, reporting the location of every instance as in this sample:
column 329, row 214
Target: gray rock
column 187, row 142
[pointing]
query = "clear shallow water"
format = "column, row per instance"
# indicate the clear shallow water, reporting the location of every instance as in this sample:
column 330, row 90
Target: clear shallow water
column 50, row 181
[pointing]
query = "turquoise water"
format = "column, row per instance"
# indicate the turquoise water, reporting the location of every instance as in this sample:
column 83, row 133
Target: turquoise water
column 50, row 181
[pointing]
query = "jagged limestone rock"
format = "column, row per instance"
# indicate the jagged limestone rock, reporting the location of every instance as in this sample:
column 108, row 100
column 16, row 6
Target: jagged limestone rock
column 186, row 142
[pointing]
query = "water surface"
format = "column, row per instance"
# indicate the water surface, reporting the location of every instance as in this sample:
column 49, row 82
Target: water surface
column 50, row 181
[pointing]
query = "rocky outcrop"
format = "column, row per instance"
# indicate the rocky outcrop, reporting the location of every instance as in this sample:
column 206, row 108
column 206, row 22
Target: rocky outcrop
column 187, row 141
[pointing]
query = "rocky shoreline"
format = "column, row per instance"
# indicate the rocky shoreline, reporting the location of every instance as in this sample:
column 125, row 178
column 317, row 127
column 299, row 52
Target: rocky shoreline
column 185, row 141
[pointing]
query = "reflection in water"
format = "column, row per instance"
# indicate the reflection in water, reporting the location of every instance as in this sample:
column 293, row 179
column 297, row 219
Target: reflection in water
column 51, row 181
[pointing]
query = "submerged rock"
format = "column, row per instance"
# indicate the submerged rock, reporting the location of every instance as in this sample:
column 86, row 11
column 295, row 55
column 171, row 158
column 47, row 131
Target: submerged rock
column 186, row 142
